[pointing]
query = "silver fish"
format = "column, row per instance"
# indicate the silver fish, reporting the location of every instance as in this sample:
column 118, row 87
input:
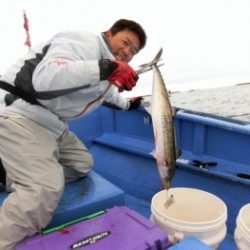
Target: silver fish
column 162, row 119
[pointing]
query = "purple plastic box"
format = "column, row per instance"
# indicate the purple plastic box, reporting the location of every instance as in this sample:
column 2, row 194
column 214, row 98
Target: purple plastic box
column 118, row 228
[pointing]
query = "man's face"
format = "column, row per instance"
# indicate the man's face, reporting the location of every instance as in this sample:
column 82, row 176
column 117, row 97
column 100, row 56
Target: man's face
column 124, row 44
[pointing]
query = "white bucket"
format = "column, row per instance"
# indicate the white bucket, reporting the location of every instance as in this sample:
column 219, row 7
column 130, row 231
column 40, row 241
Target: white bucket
column 242, row 231
column 193, row 212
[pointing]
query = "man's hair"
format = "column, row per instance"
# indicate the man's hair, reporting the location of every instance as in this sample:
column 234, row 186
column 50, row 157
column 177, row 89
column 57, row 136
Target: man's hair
column 124, row 24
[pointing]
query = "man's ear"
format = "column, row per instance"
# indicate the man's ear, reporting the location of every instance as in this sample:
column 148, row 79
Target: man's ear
column 107, row 33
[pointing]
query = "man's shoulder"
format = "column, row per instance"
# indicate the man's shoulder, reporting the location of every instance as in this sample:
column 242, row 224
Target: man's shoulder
column 75, row 34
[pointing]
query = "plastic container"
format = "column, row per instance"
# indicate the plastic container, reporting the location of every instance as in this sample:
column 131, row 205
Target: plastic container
column 242, row 231
column 190, row 212
column 117, row 228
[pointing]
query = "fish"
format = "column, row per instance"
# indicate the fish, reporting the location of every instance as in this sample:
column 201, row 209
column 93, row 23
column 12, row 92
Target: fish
column 163, row 126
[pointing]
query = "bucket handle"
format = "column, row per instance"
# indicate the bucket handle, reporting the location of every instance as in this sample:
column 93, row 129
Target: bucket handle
column 178, row 236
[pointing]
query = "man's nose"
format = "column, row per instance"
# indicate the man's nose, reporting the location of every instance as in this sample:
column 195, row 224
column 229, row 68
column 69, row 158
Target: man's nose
column 127, row 54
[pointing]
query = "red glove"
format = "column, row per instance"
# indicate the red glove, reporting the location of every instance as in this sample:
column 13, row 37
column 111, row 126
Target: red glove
column 124, row 77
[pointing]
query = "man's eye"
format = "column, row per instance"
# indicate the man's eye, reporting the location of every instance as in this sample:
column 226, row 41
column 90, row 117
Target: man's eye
column 125, row 43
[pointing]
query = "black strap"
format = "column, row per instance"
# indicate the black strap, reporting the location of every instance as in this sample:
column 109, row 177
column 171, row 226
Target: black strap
column 19, row 93
column 2, row 174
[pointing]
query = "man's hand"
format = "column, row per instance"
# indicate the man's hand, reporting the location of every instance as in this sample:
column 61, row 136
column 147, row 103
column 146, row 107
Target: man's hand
column 118, row 73
column 135, row 103
column 124, row 77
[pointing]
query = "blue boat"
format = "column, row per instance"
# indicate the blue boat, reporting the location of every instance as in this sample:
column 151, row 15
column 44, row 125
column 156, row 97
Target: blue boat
column 125, row 173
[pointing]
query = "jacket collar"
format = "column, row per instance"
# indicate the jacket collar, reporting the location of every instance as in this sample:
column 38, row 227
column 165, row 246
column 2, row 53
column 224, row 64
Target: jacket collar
column 105, row 48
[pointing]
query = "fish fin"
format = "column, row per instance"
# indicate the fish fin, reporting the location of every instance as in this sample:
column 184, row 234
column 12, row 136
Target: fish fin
column 177, row 152
column 153, row 153
column 174, row 111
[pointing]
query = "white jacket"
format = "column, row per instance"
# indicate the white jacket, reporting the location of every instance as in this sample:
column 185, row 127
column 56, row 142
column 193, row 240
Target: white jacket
column 63, row 75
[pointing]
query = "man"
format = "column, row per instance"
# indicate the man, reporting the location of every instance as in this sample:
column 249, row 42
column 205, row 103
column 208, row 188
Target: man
column 67, row 77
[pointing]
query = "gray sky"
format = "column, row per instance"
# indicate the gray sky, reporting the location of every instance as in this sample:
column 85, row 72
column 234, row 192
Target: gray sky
column 206, row 43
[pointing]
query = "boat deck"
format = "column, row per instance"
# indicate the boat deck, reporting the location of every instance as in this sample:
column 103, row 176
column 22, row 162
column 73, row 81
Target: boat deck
column 122, row 154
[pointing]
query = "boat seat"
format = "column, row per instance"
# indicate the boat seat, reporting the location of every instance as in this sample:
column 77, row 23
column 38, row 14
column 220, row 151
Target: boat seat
column 83, row 197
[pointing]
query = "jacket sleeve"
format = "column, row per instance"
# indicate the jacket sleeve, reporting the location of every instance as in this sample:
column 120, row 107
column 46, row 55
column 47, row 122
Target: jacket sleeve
column 115, row 100
column 68, row 66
